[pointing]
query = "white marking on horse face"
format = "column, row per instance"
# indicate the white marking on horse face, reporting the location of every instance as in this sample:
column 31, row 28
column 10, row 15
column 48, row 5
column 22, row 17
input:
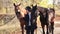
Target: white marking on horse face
column 22, row 14
column 18, row 10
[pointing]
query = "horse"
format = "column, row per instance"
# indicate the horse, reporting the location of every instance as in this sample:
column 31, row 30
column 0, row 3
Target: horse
column 51, row 14
column 34, row 17
column 44, row 17
column 20, row 13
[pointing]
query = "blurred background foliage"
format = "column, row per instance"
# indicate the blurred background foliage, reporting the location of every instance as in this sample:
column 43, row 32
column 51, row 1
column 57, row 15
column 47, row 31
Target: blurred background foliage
column 6, row 6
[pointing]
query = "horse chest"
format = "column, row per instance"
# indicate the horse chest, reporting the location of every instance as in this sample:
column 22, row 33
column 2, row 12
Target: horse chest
column 44, row 14
column 50, row 16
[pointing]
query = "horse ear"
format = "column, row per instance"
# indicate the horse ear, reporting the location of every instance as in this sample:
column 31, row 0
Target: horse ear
column 14, row 4
column 19, row 4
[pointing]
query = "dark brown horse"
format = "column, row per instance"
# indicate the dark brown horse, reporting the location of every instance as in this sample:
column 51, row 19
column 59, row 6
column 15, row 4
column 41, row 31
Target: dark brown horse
column 20, row 13
column 45, row 18
column 51, row 14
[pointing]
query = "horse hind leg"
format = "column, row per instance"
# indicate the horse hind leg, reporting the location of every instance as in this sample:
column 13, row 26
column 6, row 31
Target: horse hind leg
column 52, row 27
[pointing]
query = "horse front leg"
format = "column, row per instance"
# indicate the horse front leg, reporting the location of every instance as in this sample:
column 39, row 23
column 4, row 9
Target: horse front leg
column 22, row 27
column 47, row 29
column 43, row 29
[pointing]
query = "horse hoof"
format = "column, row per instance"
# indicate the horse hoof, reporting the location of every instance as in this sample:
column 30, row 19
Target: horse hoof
column 44, row 33
column 47, row 33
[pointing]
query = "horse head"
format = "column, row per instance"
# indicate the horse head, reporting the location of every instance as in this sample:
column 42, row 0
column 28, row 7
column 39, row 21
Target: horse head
column 34, row 13
column 34, row 8
column 16, row 7
column 19, row 10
